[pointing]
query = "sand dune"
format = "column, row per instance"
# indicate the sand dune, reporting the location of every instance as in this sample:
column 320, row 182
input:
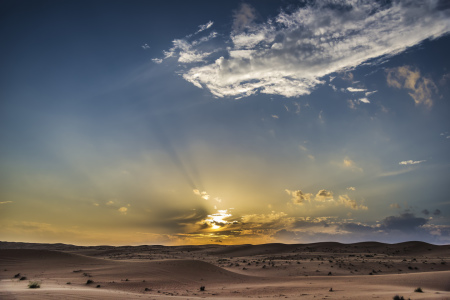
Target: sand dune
column 353, row 271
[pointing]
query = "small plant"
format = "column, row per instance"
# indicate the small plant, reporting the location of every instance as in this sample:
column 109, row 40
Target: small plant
column 98, row 285
column 23, row 278
column 69, row 282
column 17, row 275
column 397, row 297
column 89, row 281
column 34, row 285
column 330, row 290
column 202, row 288
column 418, row 290
column 147, row 289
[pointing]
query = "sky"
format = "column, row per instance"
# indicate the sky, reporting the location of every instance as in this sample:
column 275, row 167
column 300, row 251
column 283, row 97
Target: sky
column 224, row 122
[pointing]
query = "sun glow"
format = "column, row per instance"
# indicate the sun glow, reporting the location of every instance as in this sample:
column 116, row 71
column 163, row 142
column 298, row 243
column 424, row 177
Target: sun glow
column 216, row 221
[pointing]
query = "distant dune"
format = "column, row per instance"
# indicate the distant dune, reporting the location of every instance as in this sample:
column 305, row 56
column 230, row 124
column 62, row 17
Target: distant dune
column 303, row 271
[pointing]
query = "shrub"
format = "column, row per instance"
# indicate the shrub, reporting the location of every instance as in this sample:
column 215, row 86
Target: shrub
column 98, row 285
column 397, row 297
column 17, row 275
column 23, row 278
column 89, row 281
column 418, row 290
column 34, row 285
column 202, row 288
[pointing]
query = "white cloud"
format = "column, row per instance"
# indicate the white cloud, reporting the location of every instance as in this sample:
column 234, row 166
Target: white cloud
column 351, row 188
column 370, row 93
column 411, row 162
column 354, row 90
column 204, row 27
column 364, row 100
column 290, row 54
column 185, row 49
column 145, row 47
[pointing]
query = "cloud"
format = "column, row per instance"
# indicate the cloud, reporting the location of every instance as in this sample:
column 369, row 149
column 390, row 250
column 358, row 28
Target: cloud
column 351, row 188
column 185, row 48
column 394, row 205
column 350, row 164
column 145, row 47
column 324, row 195
column 354, row 90
column 204, row 27
column 411, row 162
column 123, row 210
column 364, row 100
column 298, row 197
column 403, row 222
column 346, row 201
column 421, row 87
column 291, row 53
column 425, row 212
column 203, row 194
column 5, row 202
column 243, row 17
column 437, row 212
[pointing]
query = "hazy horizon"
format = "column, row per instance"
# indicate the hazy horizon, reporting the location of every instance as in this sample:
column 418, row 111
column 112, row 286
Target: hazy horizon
column 227, row 122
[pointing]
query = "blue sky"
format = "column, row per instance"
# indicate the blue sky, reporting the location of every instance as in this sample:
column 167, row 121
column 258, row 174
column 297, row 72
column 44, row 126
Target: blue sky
column 230, row 122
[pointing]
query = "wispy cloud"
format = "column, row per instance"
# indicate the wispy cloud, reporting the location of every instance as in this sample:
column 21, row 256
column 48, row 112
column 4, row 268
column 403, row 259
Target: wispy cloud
column 5, row 202
column 411, row 162
column 145, row 47
column 291, row 53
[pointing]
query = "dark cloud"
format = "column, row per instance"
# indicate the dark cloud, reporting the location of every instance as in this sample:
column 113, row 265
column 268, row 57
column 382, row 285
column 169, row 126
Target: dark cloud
column 425, row 212
column 437, row 212
column 404, row 222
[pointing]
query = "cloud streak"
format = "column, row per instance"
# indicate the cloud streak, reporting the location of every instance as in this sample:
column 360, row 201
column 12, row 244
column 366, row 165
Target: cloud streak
column 289, row 55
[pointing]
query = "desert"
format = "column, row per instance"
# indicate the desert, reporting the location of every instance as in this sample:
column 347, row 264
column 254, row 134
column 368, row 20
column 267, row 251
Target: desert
column 368, row 270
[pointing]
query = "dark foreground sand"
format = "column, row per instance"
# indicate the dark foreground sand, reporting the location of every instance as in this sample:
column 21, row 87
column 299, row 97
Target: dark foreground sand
column 353, row 271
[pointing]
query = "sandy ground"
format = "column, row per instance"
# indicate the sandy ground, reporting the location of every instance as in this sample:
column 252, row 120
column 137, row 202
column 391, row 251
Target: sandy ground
column 310, row 271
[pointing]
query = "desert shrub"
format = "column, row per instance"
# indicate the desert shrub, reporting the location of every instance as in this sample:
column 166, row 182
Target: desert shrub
column 418, row 290
column 397, row 297
column 89, row 281
column 17, row 275
column 202, row 288
column 23, row 278
column 98, row 285
column 34, row 285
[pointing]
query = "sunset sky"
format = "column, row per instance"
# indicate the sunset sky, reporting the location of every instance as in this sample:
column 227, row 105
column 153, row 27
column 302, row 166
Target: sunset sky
column 194, row 122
